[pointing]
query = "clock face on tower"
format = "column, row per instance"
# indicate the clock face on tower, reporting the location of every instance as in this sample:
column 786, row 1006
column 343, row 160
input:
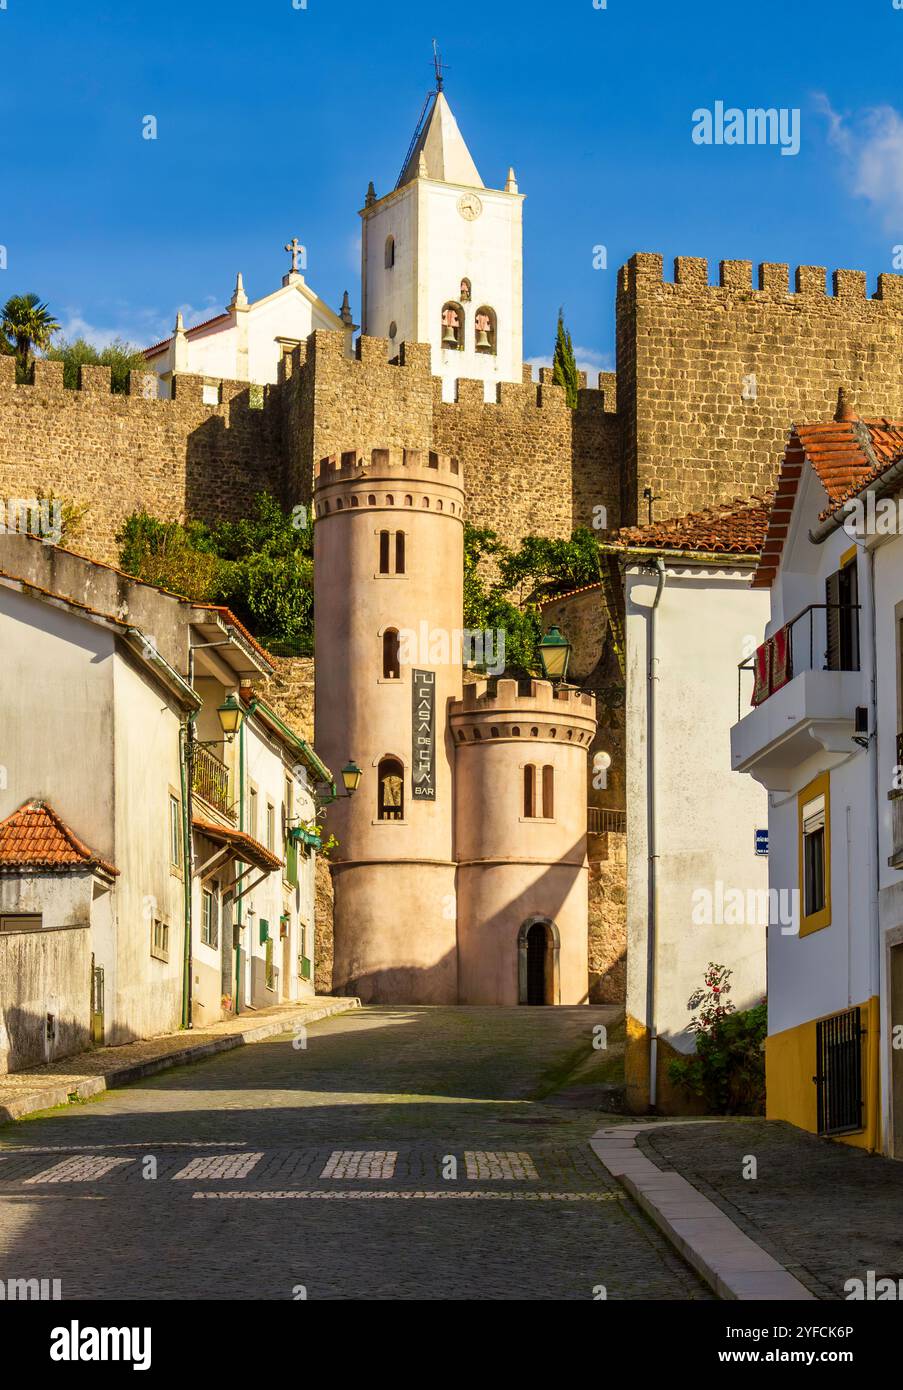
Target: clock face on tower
column 469, row 206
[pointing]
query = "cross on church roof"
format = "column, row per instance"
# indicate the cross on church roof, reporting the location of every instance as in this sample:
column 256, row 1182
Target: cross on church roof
column 438, row 66
column 296, row 249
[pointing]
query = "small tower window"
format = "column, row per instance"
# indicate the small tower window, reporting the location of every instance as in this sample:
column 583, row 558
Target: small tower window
column 390, row 252
column 392, row 547
column 529, row 791
column 393, row 330
column 390, row 790
column 548, row 791
column 391, row 656
column 485, row 330
column 452, row 327
column 465, row 291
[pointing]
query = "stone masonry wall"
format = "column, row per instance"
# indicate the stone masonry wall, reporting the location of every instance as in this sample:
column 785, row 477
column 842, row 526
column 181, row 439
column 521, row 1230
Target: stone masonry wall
column 118, row 453
column 685, row 348
column 530, row 465
column 607, row 856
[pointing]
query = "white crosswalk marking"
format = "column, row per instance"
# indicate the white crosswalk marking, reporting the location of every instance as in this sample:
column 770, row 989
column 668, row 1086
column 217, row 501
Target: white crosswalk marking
column 220, row 1166
column 361, row 1163
column 79, row 1168
column 514, row 1167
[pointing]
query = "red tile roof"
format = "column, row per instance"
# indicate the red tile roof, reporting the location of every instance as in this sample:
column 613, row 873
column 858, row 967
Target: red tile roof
column 733, row 528
column 34, row 837
column 249, row 850
column 846, row 454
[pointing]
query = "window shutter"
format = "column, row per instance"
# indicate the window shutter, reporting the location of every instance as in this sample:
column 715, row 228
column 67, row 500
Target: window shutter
column 832, row 622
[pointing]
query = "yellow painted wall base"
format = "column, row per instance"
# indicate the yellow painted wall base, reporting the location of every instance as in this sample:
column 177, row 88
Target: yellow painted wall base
column 670, row 1099
column 790, row 1063
column 636, row 1066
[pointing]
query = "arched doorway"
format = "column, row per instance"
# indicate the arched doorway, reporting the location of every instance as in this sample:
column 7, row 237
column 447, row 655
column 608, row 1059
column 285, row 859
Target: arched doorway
column 537, row 962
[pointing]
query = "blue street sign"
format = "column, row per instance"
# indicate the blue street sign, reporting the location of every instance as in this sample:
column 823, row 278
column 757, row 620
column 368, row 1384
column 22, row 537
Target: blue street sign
column 761, row 841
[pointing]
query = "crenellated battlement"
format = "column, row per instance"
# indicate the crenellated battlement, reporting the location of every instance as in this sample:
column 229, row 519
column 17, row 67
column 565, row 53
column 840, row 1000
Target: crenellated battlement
column 645, row 271
column 542, row 696
column 384, row 463
column 371, row 365
column 523, row 711
column 96, row 382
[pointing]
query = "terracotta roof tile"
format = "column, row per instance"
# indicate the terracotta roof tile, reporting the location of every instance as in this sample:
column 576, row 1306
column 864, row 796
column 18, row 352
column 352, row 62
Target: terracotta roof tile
column 847, row 455
column 239, row 840
column 733, row 528
column 34, row 837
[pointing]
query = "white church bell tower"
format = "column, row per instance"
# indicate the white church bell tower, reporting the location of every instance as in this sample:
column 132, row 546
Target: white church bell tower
column 442, row 259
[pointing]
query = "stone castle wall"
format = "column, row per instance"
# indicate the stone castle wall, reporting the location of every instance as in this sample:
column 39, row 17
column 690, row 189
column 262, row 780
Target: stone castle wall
column 680, row 424
column 684, row 349
column 530, row 464
column 115, row 454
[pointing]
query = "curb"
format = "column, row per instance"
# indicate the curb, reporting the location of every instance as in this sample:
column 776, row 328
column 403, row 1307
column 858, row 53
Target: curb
column 733, row 1266
column 47, row 1097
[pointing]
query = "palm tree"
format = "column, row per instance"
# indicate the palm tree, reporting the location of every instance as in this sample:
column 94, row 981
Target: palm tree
column 28, row 325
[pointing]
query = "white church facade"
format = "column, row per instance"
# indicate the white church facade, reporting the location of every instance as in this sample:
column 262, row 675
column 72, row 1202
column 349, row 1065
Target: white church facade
column 441, row 263
column 249, row 339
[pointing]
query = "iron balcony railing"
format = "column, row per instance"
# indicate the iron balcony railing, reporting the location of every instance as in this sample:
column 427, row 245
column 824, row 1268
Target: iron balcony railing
column 210, row 779
column 823, row 637
column 600, row 821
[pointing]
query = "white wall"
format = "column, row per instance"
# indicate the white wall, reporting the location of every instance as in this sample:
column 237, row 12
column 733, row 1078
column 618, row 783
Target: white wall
column 706, row 621
column 827, row 970
column 435, row 248
column 143, row 994
column 267, row 763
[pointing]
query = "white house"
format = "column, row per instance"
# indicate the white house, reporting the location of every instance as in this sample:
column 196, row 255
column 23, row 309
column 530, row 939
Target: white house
column 696, row 872
column 442, row 260
column 822, row 738
column 157, row 832
column 248, row 340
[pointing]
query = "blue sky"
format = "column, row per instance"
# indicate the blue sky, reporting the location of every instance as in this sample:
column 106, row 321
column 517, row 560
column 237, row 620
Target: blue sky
column 271, row 120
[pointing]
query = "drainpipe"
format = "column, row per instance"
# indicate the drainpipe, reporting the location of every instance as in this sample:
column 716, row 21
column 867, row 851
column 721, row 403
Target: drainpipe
column 652, row 836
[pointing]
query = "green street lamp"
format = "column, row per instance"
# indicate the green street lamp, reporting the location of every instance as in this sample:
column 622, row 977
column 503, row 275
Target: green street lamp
column 230, row 716
column 351, row 777
column 554, row 653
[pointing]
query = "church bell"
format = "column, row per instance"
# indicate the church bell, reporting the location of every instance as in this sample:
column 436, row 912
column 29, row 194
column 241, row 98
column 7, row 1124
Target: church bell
column 448, row 337
column 482, row 339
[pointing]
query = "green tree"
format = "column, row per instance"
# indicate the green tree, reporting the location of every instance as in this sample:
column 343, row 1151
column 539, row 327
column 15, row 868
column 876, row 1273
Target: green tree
column 261, row 567
column 541, row 568
column 564, row 365
column 487, row 606
column 28, row 326
column 121, row 357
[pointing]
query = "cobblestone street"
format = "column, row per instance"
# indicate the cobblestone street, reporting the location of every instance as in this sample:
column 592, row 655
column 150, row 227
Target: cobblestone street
column 400, row 1154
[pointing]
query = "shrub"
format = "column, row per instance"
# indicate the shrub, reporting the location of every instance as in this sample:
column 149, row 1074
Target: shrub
column 727, row 1071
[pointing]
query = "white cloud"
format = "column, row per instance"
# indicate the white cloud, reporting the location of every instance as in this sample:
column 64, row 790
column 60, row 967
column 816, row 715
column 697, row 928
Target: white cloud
column 870, row 144
column 588, row 360
column 132, row 324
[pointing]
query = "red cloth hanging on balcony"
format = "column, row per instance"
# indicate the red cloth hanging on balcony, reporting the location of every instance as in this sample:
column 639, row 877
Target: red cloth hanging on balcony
column 780, row 659
column 761, row 674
